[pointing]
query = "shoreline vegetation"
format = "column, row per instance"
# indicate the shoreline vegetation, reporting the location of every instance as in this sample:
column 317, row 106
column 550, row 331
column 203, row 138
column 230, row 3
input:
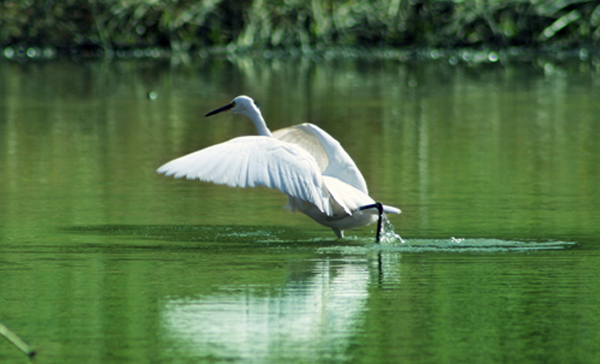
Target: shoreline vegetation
column 477, row 29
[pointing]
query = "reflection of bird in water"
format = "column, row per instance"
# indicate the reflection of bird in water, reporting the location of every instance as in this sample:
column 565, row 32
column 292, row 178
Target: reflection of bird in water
column 302, row 161
column 305, row 320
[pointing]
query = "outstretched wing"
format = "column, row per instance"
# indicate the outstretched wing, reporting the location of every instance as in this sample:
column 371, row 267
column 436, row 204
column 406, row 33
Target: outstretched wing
column 331, row 157
column 251, row 161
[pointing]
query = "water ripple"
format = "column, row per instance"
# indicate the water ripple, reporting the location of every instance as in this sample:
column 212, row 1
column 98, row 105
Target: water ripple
column 456, row 245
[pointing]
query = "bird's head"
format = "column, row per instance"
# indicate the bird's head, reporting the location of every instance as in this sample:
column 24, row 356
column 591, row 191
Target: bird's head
column 240, row 105
column 246, row 106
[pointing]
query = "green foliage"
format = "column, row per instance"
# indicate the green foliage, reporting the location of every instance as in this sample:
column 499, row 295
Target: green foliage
column 181, row 24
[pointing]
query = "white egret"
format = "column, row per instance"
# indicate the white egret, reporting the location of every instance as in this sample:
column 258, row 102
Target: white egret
column 302, row 161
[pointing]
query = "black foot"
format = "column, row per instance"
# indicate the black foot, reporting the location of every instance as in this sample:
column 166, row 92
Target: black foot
column 379, row 207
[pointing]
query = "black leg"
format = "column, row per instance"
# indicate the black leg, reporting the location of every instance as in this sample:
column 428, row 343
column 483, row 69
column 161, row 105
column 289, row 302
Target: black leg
column 379, row 207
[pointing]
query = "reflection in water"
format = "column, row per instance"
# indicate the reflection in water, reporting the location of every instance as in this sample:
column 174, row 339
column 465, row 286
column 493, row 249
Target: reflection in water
column 505, row 156
column 304, row 320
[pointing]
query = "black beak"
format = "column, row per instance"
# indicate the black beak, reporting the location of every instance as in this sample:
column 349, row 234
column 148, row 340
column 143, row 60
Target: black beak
column 224, row 108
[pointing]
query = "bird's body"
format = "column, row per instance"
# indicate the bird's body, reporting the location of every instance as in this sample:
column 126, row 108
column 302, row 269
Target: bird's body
column 302, row 161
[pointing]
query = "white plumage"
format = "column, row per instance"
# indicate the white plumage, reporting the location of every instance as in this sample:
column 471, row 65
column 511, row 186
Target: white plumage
column 302, row 161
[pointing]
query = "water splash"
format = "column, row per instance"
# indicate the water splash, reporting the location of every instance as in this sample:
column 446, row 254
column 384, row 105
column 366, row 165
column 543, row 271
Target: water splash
column 457, row 240
column 387, row 234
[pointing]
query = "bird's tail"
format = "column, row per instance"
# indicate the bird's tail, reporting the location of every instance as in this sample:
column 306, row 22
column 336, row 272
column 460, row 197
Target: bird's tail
column 391, row 209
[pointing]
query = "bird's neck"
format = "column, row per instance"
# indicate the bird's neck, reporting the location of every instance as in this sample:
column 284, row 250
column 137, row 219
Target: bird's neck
column 261, row 125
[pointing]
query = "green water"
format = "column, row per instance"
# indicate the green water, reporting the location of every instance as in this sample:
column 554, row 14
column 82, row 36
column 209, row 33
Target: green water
column 496, row 168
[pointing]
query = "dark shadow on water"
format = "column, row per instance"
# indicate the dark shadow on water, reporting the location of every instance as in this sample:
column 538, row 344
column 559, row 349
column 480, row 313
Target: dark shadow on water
column 233, row 234
column 266, row 236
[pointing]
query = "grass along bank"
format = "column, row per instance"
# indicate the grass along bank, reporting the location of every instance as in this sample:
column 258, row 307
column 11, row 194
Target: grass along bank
column 182, row 25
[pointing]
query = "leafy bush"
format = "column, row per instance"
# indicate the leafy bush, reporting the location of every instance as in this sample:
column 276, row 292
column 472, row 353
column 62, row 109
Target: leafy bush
column 181, row 24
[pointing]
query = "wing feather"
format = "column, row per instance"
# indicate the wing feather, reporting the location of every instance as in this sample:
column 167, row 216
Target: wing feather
column 331, row 157
column 347, row 196
column 251, row 161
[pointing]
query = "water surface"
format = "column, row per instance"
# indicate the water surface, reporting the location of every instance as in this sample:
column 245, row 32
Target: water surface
column 496, row 168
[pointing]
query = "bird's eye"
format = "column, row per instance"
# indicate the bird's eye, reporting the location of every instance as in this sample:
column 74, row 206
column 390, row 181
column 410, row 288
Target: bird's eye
column 233, row 104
